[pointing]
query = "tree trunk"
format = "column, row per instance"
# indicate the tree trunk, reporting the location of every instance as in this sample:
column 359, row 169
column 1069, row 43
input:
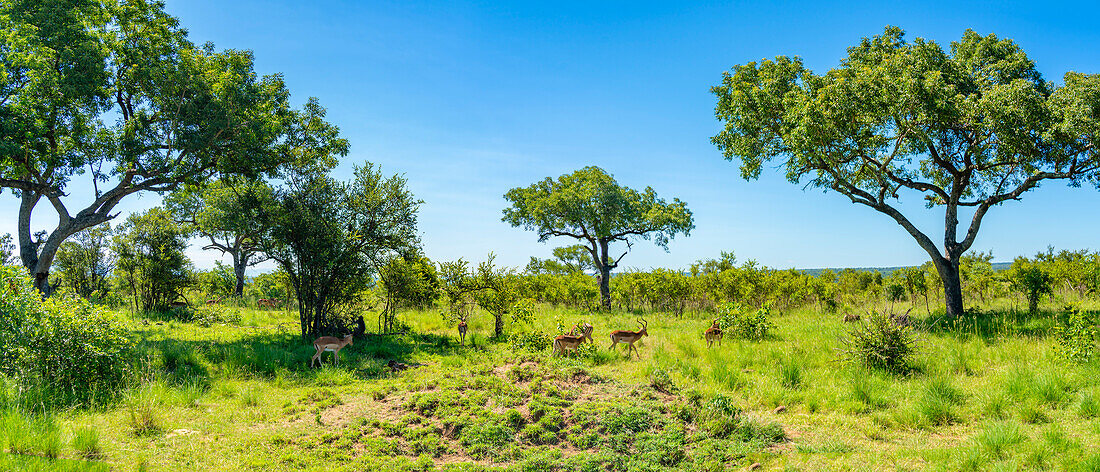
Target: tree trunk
column 952, row 285
column 239, row 264
column 498, row 325
column 605, row 287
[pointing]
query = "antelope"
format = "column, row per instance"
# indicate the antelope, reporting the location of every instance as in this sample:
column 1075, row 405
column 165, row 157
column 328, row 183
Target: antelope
column 629, row 338
column 850, row 317
column 714, row 332
column 329, row 344
column 462, row 330
column 573, row 340
column 214, row 301
column 582, row 329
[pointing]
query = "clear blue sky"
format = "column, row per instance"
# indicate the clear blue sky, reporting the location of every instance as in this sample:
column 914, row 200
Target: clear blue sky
column 471, row 99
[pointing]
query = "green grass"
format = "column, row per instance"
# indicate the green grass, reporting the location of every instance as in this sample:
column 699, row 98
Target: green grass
column 986, row 393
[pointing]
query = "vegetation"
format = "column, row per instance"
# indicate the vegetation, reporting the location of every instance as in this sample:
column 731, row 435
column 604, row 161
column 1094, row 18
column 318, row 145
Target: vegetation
column 152, row 267
column 590, row 206
column 332, row 237
column 132, row 359
column 975, row 126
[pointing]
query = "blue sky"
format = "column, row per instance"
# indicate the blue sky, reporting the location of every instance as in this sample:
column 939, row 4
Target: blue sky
column 471, row 99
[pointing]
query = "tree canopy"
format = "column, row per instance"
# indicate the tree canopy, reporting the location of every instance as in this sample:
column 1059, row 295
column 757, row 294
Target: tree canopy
column 113, row 93
column 331, row 237
column 589, row 205
column 973, row 126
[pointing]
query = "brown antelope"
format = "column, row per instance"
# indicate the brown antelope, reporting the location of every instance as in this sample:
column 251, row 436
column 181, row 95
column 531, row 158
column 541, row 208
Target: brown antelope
column 329, row 344
column 713, row 333
column 462, row 330
column 850, row 317
column 566, row 342
column 629, row 338
column 265, row 302
column 214, row 301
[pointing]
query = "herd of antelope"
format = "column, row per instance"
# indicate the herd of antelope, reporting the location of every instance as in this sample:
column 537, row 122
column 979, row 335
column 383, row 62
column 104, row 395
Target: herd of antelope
column 562, row 344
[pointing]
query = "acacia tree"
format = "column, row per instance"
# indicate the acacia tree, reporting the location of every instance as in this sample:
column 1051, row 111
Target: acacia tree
column 224, row 214
column 113, row 92
column 969, row 128
column 589, row 205
column 331, row 237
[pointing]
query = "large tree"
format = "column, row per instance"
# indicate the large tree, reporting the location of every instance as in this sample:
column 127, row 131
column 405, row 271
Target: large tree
column 967, row 128
column 332, row 237
column 113, row 93
column 589, row 205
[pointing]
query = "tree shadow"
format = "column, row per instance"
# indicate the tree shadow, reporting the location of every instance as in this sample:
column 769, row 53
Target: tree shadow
column 272, row 353
column 992, row 324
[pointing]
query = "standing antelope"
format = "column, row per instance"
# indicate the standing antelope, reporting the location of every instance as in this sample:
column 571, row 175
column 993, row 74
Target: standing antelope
column 573, row 340
column 462, row 330
column 329, row 344
column 629, row 337
column 714, row 333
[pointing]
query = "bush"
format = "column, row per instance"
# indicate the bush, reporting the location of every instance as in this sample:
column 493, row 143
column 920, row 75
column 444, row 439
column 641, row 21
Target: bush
column 880, row 343
column 72, row 350
column 534, row 341
column 743, row 323
column 1077, row 339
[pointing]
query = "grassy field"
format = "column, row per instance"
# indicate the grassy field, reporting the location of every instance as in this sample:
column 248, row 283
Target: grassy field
column 986, row 393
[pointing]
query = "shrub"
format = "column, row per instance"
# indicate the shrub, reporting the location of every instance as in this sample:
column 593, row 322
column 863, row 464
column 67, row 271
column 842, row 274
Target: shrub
column 1031, row 280
column 880, row 343
column 1077, row 339
column 534, row 341
column 72, row 350
column 744, row 323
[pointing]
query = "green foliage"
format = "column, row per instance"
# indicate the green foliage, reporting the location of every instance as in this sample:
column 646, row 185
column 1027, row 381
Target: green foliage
column 85, row 263
column 1031, row 280
column 329, row 236
column 590, row 206
column 73, row 352
column 8, row 253
column 114, row 92
column 152, row 266
column 1077, row 338
column 223, row 213
column 532, row 341
column 745, row 323
column 900, row 115
column 880, row 343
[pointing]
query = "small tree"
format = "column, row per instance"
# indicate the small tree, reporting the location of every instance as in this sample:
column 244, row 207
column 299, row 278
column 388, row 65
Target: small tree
column 1031, row 280
column 85, row 263
column 152, row 266
column 7, row 250
column 409, row 280
column 972, row 127
column 589, row 205
column 331, row 237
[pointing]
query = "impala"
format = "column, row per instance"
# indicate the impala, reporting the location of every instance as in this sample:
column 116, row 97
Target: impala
column 462, row 330
column 566, row 342
column 582, row 329
column 329, row 344
column 629, row 337
column 714, row 333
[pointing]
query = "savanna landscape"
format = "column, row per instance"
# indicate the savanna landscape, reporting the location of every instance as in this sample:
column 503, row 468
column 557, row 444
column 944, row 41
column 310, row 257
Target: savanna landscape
column 325, row 336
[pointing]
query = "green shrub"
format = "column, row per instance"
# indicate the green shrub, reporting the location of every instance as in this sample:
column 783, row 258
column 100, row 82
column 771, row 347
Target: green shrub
column 534, row 341
column 70, row 349
column 880, row 343
column 1077, row 339
column 744, row 323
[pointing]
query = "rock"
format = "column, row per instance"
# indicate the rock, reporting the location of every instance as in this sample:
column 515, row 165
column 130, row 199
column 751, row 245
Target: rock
column 779, row 409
